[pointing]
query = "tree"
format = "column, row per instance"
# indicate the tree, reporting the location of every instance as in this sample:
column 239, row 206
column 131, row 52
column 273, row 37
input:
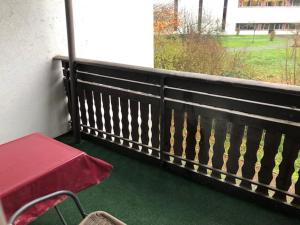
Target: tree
column 175, row 15
column 164, row 20
column 200, row 12
column 224, row 14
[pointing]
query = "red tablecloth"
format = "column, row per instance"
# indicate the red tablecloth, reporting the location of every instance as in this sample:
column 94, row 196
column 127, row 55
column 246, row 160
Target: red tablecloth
column 36, row 165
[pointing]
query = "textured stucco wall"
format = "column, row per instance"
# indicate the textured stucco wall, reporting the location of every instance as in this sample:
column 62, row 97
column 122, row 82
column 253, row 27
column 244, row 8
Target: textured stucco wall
column 32, row 97
column 31, row 92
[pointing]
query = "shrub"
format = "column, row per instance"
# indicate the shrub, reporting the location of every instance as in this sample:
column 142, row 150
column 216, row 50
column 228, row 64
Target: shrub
column 200, row 54
column 191, row 50
column 272, row 35
column 237, row 30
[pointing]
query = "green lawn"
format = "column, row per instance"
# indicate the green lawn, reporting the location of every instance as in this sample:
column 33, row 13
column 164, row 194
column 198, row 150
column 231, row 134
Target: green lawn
column 268, row 64
column 260, row 59
column 268, row 60
column 246, row 41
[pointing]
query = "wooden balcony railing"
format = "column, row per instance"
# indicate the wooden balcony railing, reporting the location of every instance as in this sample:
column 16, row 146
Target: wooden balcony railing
column 241, row 136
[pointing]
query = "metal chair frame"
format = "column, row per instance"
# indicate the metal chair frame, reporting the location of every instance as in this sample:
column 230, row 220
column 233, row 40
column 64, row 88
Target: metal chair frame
column 46, row 197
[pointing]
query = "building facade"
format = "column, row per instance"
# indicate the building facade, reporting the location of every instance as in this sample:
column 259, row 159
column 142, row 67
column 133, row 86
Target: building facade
column 263, row 16
column 245, row 16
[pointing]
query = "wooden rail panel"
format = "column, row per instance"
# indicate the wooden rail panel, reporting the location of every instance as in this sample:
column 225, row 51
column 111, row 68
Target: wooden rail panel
column 220, row 129
column 296, row 201
column 254, row 136
column 178, row 135
column 81, row 97
column 97, row 98
column 115, row 116
column 271, row 144
column 119, row 82
column 236, row 138
column 119, row 72
column 134, row 109
column 248, row 105
column 168, row 128
column 138, row 115
column 155, row 127
column 235, row 111
column 290, row 151
column 106, row 108
column 205, row 133
column 90, row 109
column 144, row 110
column 240, row 89
column 125, row 122
column 67, row 87
column 192, row 122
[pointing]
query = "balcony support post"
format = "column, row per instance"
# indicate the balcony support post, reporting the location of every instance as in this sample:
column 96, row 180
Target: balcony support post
column 73, row 78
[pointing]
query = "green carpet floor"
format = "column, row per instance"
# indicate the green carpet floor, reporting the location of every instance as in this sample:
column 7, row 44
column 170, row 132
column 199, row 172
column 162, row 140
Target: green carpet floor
column 142, row 194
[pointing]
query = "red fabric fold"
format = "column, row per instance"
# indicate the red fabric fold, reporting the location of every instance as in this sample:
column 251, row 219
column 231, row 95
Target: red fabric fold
column 36, row 165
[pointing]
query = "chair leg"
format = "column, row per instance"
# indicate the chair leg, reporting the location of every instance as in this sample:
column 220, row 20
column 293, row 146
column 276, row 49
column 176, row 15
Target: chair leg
column 60, row 215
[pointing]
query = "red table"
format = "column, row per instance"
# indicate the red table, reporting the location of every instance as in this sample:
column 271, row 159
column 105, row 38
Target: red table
column 36, row 165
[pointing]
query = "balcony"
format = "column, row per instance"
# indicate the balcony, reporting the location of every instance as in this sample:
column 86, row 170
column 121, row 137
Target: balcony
column 186, row 148
column 142, row 193
column 239, row 139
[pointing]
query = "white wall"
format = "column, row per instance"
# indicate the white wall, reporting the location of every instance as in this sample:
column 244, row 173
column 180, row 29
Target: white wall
column 31, row 92
column 115, row 30
column 32, row 97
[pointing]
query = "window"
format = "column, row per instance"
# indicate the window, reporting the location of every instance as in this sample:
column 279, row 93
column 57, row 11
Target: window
column 268, row 26
column 247, row 3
